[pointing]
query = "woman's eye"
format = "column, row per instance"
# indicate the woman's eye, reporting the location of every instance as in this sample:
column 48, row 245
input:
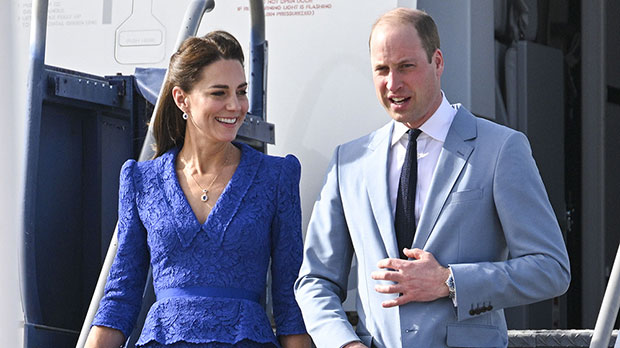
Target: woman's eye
column 218, row 93
column 242, row 92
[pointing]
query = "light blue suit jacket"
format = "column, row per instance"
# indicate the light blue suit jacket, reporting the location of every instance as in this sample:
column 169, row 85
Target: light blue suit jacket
column 487, row 216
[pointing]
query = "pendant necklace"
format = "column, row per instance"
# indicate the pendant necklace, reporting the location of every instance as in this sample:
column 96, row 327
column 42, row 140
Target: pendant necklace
column 204, row 197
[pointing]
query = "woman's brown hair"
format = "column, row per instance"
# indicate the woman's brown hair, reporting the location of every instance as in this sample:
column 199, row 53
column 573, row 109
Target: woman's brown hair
column 193, row 55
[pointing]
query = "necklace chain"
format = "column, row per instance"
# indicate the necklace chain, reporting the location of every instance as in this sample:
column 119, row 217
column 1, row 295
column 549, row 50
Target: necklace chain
column 204, row 197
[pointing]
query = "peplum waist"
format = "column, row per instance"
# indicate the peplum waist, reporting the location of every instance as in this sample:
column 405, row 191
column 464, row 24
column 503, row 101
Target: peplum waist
column 201, row 319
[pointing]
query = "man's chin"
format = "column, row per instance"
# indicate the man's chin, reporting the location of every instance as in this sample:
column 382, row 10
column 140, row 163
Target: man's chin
column 398, row 117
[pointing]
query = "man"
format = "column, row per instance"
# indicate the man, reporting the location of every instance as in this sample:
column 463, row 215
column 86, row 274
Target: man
column 474, row 229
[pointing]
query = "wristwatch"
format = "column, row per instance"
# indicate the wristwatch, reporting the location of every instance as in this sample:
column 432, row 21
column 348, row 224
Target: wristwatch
column 450, row 285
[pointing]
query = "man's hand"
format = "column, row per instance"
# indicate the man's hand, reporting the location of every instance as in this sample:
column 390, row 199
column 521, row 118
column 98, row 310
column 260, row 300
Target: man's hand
column 355, row 344
column 419, row 280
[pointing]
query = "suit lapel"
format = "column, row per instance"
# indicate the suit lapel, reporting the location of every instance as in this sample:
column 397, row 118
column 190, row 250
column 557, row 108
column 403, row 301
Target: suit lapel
column 376, row 176
column 454, row 155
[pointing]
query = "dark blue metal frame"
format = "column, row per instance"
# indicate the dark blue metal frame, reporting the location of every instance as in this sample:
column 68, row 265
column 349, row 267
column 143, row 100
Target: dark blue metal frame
column 74, row 156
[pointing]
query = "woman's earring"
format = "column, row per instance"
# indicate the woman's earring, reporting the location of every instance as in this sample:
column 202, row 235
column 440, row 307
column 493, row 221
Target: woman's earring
column 185, row 116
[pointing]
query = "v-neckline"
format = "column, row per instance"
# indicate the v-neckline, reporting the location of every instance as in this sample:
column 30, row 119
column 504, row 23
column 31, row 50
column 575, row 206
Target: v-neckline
column 224, row 191
column 227, row 205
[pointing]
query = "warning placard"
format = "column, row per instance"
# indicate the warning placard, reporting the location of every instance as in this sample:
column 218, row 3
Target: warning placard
column 59, row 14
column 293, row 8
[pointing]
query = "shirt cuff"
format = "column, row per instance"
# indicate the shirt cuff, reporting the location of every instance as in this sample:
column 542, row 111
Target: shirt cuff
column 451, row 284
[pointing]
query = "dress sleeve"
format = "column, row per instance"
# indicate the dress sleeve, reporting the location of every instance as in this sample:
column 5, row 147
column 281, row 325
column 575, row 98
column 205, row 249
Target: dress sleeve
column 287, row 249
column 122, row 298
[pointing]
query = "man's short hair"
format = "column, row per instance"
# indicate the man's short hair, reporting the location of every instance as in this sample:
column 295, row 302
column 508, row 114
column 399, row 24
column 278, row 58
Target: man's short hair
column 421, row 21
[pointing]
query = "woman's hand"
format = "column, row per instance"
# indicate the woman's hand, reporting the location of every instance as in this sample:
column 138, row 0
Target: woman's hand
column 295, row 341
column 104, row 337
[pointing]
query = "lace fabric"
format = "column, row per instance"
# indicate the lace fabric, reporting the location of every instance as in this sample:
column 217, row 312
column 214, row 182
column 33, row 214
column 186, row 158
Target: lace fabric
column 244, row 344
column 256, row 219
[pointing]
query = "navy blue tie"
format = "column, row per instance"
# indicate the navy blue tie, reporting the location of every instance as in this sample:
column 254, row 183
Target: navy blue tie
column 404, row 219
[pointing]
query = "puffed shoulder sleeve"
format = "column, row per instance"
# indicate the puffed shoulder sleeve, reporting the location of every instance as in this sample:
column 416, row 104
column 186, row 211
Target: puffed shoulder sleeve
column 287, row 248
column 122, row 298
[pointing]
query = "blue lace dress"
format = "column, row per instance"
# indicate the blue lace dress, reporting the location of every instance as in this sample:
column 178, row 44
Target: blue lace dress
column 207, row 278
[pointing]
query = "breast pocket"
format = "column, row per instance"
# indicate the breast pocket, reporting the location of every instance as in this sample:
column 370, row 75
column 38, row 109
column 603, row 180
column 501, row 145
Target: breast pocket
column 464, row 196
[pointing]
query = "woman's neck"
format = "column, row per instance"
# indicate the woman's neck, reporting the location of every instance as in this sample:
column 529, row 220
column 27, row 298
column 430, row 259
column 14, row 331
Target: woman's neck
column 206, row 158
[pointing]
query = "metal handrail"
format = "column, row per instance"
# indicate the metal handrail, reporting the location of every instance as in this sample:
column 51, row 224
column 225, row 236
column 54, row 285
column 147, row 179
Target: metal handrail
column 34, row 105
column 258, row 63
column 609, row 308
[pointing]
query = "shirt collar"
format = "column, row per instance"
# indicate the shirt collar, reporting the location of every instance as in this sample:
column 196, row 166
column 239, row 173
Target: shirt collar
column 436, row 126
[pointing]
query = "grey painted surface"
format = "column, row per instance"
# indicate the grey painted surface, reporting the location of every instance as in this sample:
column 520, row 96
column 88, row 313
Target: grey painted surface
column 594, row 182
column 468, row 46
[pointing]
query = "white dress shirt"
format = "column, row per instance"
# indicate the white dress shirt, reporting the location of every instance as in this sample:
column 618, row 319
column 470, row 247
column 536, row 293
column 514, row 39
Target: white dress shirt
column 430, row 142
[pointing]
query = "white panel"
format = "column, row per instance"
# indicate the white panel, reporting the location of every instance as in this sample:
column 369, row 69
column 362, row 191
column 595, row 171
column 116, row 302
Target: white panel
column 468, row 46
column 11, row 320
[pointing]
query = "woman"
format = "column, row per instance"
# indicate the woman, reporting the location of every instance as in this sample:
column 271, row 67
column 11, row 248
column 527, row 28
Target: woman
column 209, row 215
